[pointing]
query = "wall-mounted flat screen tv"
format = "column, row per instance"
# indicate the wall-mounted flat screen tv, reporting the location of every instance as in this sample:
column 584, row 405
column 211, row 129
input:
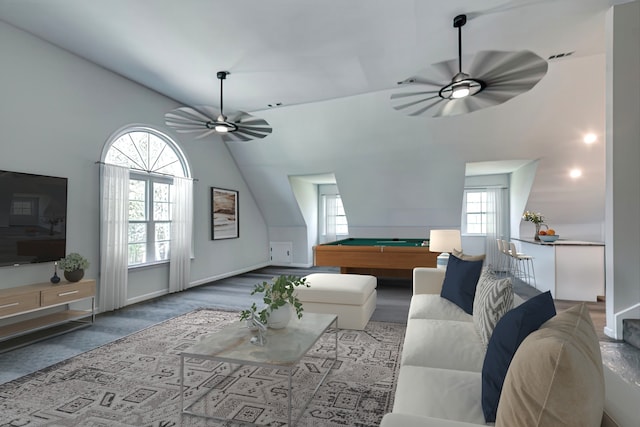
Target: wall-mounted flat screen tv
column 33, row 218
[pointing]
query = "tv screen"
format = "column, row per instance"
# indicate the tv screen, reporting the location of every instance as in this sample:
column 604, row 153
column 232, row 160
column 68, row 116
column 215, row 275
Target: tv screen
column 33, row 218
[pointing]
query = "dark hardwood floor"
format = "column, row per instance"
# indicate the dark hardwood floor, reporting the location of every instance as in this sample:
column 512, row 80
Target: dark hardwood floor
column 233, row 293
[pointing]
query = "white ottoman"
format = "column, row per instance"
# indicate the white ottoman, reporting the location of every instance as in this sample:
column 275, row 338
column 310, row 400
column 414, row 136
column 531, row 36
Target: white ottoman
column 352, row 297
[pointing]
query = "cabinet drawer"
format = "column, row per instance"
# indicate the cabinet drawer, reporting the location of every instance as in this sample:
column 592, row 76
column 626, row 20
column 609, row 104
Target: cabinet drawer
column 12, row 304
column 64, row 293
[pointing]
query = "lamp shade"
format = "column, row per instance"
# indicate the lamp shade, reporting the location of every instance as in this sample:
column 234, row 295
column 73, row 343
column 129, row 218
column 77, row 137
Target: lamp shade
column 444, row 240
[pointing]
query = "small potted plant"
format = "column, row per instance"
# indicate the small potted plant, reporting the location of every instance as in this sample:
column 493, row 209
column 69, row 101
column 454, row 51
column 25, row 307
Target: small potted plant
column 279, row 299
column 73, row 266
column 537, row 219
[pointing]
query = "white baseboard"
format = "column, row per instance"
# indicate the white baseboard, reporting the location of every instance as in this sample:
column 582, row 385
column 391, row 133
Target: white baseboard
column 227, row 274
column 210, row 279
column 148, row 296
column 295, row 265
column 610, row 333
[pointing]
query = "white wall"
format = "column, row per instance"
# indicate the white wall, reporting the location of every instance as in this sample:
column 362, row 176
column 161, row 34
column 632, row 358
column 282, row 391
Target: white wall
column 622, row 244
column 299, row 243
column 306, row 194
column 521, row 183
column 56, row 113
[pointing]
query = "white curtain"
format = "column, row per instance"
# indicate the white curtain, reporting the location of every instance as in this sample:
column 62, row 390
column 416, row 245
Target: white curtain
column 495, row 226
column 181, row 234
column 331, row 211
column 114, row 237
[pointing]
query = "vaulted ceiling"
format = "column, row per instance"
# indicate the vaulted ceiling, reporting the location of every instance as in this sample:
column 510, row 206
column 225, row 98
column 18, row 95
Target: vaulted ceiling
column 329, row 69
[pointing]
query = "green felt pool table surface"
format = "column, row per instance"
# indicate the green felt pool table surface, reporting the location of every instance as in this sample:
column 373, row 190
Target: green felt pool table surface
column 378, row 242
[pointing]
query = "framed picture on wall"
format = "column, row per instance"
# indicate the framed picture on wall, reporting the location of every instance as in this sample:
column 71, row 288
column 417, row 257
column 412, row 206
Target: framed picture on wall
column 224, row 214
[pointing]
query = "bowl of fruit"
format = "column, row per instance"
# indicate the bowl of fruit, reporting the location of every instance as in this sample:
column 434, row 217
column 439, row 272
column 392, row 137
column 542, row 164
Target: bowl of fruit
column 548, row 236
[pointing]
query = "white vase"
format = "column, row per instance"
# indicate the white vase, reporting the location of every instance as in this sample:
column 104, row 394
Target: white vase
column 279, row 318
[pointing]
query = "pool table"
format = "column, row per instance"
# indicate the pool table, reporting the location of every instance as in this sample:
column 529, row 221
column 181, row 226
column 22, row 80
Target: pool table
column 390, row 257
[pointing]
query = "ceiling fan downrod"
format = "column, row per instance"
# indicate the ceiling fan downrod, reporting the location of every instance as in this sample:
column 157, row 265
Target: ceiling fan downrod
column 458, row 22
column 462, row 85
column 221, row 125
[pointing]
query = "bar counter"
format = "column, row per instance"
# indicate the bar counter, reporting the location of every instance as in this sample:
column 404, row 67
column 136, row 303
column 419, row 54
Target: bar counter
column 571, row 269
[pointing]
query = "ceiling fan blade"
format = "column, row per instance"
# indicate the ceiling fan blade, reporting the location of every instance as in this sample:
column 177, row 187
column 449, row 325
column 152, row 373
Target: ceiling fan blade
column 249, row 127
column 408, row 94
column 247, row 119
column 483, row 61
column 427, row 107
column 456, row 107
column 185, row 129
column 195, row 119
column 525, row 78
column 513, row 65
column 235, row 137
column 205, row 134
column 448, row 68
column 415, row 103
column 192, row 114
column 452, row 108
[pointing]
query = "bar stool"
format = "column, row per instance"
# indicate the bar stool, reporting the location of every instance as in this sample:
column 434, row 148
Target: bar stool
column 523, row 266
column 498, row 266
column 502, row 261
column 508, row 260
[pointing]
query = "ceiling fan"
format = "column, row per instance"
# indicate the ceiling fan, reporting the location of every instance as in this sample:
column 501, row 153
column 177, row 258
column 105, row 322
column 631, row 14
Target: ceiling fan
column 494, row 77
column 205, row 120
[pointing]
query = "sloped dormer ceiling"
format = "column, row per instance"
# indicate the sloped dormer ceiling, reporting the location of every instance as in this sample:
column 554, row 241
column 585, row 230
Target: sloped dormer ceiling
column 333, row 65
column 395, row 170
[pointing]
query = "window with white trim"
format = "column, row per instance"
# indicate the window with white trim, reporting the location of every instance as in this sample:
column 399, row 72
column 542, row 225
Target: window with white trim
column 474, row 217
column 154, row 159
column 332, row 218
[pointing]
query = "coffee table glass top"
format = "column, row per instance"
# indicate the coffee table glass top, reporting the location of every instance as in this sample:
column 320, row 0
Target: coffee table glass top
column 284, row 347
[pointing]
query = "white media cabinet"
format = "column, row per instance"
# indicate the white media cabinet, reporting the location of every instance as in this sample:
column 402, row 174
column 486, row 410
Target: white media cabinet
column 33, row 308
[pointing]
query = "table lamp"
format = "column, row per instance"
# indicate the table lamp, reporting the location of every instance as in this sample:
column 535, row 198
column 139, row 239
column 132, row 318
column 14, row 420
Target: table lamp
column 444, row 241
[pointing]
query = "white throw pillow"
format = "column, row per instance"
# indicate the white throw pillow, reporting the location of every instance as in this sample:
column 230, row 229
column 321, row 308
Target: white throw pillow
column 465, row 257
column 494, row 297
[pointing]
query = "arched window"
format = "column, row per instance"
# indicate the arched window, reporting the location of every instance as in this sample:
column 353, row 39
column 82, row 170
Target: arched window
column 154, row 160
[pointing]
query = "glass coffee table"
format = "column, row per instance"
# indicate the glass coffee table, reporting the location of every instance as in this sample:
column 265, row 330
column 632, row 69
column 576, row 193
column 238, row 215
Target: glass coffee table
column 284, row 349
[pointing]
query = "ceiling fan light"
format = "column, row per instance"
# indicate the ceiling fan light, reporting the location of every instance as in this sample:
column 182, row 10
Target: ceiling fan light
column 460, row 91
column 221, row 128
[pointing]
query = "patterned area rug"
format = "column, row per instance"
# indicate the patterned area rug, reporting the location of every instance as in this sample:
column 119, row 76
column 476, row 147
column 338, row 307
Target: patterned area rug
column 135, row 381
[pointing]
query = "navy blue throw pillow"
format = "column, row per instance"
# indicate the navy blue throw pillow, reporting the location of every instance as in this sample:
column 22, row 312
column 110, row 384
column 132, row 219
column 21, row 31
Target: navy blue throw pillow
column 507, row 336
column 460, row 281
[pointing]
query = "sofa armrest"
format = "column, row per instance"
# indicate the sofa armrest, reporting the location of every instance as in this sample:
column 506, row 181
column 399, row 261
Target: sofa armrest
column 427, row 280
column 406, row 420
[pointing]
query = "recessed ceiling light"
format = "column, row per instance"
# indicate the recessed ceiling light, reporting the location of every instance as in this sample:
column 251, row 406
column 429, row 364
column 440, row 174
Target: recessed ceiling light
column 575, row 173
column 590, row 138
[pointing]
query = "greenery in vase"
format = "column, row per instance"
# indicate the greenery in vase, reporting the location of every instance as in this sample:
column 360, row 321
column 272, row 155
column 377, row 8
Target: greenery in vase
column 535, row 218
column 73, row 261
column 276, row 294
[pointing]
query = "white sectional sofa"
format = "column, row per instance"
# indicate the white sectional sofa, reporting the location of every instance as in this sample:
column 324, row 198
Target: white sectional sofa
column 440, row 378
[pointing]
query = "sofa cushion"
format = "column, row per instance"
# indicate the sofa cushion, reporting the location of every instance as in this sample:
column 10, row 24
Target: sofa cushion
column 466, row 257
column 404, row 420
column 442, row 344
column 432, row 306
column 507, row 336
column 439, row 393
column 494, row 297
column 460, row 282
column 556, row 376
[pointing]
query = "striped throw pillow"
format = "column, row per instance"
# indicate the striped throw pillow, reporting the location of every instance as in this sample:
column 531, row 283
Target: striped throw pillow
column 494, row 297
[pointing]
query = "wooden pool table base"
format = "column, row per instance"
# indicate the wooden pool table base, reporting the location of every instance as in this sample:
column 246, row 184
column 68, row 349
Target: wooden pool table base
column 379, row 261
